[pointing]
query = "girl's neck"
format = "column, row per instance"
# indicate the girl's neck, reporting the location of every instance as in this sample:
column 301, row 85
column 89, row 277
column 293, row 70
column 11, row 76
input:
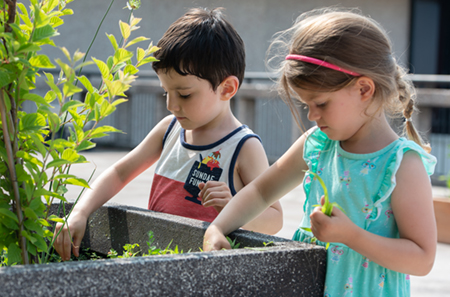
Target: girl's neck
column 375, row 135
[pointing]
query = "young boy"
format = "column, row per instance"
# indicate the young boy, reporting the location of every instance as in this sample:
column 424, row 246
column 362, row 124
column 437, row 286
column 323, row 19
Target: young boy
column 205, row 155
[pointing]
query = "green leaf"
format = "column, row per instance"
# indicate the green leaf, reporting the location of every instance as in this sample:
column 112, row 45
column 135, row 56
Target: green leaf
column 77, row 182
column 38, row 143
column 56, row 21
column 40, row 242
column 14, row 254
column 77, row 56
column 86, row 145
column 29, row 213
column 5, row 78
column 41, row 61
column 86, row 83
column 104, row 70
column 44, row 32
column 113, row 41
column 146, row 60
column 119, row 101
column 70, row 155
column 66, row 53
column 36, row 98
column 57, row 163
column 54, row 218
column 71, row 104
column 70, row 89
column 140, row 54
column 34, row 226
column 136, row 40
column 32, row 121
column 9, row 214
column 130, row 70
column 122, row 55
column 28, row 47
column 51, row 83
column 125, row 29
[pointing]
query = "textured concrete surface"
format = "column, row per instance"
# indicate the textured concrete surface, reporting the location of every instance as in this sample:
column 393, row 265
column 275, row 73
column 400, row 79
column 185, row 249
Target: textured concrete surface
column 286, row 268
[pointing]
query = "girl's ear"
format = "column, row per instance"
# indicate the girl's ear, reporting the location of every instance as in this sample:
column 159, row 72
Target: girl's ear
column 228, row 87
column 366, row 87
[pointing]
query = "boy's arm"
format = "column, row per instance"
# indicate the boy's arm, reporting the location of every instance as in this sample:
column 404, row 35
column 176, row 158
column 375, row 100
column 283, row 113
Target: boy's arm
column 252, row 162
column 108, row 184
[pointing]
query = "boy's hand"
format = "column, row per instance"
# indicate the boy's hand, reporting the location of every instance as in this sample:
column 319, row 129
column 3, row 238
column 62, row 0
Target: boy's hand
column 337, row 228
column 214, row 240
column 214, row 193
column 76, row 224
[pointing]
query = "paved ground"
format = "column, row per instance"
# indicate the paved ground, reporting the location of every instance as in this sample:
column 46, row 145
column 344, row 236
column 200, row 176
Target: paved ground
column 436, row 283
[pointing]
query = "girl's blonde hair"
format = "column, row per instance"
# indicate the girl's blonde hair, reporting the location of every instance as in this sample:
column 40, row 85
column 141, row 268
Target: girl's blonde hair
column 351, row 41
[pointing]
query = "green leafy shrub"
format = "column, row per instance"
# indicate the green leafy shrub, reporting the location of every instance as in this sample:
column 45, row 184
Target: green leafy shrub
column 34, row 162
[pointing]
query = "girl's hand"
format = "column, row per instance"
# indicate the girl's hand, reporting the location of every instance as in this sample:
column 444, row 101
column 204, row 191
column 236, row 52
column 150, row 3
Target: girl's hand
column 215, row 240
column 76, row 224
column 337, row 228
column 214, row 193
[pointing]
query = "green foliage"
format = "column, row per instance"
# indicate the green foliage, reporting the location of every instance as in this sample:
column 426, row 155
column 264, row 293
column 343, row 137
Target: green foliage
column 34, row 162
column 132, row 250
column 233, row 243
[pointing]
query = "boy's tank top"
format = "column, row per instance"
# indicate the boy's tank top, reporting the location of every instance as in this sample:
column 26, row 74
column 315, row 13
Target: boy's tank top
column 183, row 166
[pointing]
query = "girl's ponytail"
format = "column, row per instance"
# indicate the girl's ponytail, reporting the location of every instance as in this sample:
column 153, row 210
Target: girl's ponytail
column 406, row 95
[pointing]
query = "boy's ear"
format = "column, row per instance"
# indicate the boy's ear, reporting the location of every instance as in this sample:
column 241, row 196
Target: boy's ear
column 366, row 87
column 228, row 87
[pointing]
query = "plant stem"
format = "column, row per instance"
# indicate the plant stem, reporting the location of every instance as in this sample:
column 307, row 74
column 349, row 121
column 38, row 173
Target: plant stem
column 15, row 185
column 95, row 36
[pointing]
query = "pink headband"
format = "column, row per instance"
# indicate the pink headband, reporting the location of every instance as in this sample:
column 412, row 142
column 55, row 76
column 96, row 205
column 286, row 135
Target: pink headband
column 320, row 63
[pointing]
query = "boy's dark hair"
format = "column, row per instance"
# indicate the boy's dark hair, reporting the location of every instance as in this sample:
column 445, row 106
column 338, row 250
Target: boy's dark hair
column 204, row 44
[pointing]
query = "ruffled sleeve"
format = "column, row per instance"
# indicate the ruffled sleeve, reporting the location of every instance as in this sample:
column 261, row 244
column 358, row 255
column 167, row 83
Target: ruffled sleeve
column 315, row 143
column 389, row 181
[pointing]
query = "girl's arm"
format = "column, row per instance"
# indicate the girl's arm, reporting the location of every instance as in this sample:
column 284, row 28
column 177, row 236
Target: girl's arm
column 283, row 176
column 108, row 184
column 251, row 163
column 411, row 202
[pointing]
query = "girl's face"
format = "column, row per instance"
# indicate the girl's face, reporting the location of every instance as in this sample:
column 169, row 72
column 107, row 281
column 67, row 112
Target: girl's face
column 341, row 115
column 191, row 99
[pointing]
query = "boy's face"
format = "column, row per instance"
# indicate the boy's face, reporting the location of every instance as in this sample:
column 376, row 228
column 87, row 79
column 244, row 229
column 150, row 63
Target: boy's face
column 192, row 100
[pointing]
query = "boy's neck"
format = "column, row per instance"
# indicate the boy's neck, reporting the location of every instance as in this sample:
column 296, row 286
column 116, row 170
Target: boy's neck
column 213, row 131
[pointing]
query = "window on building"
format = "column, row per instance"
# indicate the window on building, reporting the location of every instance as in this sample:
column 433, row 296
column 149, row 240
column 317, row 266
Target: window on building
column 430, row 37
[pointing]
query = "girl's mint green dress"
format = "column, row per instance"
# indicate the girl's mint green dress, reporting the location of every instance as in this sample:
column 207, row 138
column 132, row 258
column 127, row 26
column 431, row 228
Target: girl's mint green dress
column 362, row 185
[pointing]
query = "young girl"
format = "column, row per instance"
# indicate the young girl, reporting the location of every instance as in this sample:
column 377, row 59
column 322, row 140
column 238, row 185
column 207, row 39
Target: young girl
column 340, row 66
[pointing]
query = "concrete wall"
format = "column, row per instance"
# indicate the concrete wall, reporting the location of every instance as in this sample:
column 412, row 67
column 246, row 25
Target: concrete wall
column 255, row 20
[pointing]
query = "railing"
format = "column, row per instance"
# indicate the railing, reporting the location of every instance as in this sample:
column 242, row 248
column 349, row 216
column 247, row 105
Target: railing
column 258, row 105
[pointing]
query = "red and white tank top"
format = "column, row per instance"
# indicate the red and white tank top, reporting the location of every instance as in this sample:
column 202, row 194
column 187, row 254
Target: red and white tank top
column 183, row 166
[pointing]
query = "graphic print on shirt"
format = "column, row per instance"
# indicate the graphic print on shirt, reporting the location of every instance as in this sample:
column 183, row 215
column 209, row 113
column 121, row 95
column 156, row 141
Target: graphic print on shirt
column 346, row 179
column 367, row 166
column 348, row 288
column 337, row 253
column 201, row 172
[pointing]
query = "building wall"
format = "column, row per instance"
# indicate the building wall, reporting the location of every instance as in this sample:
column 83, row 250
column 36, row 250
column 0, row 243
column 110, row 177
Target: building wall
column 255, row 20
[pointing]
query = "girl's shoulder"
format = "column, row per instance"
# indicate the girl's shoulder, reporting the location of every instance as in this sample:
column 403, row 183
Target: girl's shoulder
column 404, row 146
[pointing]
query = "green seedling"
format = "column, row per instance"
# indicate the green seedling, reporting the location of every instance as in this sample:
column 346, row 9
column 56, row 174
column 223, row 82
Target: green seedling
column 233, row 243
column 327, row 206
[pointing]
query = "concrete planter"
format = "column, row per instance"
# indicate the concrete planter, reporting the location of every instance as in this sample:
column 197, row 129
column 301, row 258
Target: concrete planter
column 287, row 268
column 442, row 214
